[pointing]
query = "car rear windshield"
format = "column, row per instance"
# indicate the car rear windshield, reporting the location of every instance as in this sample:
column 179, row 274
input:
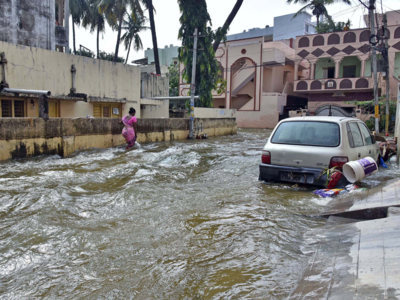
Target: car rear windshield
column 323, row 134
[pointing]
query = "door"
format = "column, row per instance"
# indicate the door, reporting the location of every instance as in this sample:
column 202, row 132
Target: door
column 54, row 109
column 106, row 111
column 349, row 71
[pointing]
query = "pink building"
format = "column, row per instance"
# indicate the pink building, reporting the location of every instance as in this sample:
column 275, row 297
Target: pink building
column 259, row 79
column 340, row 67
column 259, row 71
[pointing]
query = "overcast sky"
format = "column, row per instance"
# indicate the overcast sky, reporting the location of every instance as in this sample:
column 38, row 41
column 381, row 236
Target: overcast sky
column 253, row 13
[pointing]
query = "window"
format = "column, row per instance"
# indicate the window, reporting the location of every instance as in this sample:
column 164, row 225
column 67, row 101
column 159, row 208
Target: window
column 13, row 109
column 107, row 110
column 366, row 134
column 307, row 28
column 355, row 138
column 322, row 134
column 349, row 71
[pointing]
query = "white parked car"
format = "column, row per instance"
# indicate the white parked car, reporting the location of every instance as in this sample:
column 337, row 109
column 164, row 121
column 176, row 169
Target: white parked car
column 300, row 148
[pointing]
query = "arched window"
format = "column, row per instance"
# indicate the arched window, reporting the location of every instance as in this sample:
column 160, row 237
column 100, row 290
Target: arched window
column 304, row 42
column 397, row 33
column 364, row 36
column 349, row 37
column 318, row 40
column 333, row 39
column 302, row 86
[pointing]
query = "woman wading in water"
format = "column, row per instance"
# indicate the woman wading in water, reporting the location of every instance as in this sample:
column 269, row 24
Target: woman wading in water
column 130, row 130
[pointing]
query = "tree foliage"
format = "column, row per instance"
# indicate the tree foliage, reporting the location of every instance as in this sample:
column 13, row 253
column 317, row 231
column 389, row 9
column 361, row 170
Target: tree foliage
column 94, row 21
column 111, row 57
column 317, row 7
column 86, row 53
column 173, row 75
column 78, row 9
column 115, row 11
column 328, row 26
column 132, row 28
column 194, row 14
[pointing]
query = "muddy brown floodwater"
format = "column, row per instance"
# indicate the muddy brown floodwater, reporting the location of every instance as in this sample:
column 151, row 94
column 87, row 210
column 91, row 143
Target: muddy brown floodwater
column 170, row 220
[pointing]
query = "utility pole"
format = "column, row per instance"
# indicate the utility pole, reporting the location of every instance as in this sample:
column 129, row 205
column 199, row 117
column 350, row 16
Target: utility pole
column 397, row 124
column 374, row 63
column 386, row 58
column 193, row 85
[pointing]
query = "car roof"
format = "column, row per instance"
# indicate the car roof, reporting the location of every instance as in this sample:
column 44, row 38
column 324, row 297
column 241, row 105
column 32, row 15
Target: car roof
column 322, row 118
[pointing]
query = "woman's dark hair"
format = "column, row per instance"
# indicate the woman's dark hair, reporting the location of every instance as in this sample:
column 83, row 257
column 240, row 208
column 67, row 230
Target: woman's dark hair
column 132, row 111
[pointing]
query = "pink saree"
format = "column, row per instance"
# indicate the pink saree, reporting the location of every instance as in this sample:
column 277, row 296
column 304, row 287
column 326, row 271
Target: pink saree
column 129, row 132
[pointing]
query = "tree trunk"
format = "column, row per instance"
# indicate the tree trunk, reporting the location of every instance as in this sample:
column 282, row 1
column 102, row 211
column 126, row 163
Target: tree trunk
column 119, row 37
column 317, row 20
column 129, row 50
column 73, row 35
column 98, row 41
column 222, row 32
column 154, row 36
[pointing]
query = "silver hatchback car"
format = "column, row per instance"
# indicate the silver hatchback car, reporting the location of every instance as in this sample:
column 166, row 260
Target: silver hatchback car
column 300, row 148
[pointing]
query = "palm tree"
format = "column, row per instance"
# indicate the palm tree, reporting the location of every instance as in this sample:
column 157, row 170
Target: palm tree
column 77, row 9
column 148, row 4
column 133, row 26
column 316, row 6
column 115, row 11
column 95, row 21
column 221, row 32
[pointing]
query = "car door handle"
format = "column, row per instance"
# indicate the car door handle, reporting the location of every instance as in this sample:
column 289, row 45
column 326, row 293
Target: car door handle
column 359, row 155
column 370, row 151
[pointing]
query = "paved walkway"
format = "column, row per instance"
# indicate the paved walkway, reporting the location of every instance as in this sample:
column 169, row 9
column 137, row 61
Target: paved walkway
column 359, row 260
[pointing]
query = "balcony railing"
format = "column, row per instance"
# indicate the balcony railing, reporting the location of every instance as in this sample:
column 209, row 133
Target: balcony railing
column 337, row 84
column 315, row 85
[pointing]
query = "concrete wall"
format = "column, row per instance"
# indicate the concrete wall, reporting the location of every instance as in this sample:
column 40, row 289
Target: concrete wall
column 154, row 86
column 28, row 22
column 27, row 137
column 251, row 33
column 152, row 69
column 285, row 27
column 214, row 113
column 34, row 68
column 267, row 116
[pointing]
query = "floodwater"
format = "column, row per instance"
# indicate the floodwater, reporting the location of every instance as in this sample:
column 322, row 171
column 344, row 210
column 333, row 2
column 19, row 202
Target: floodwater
column 168, row 220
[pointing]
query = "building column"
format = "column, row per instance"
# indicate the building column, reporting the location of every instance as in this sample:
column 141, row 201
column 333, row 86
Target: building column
column 312, row 70
column 66, row 23
column 296, row 70
column 337, row 68
column 362, row 74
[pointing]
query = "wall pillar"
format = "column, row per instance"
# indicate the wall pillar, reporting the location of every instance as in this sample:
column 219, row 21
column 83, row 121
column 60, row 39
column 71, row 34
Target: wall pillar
column 337, row 68
column 312, row 70
column 362, row 74
column 66, row 23
column 296, row 71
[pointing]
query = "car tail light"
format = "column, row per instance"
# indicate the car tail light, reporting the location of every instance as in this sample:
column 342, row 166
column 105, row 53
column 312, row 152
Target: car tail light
column 338, row 162
column 266, row 157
